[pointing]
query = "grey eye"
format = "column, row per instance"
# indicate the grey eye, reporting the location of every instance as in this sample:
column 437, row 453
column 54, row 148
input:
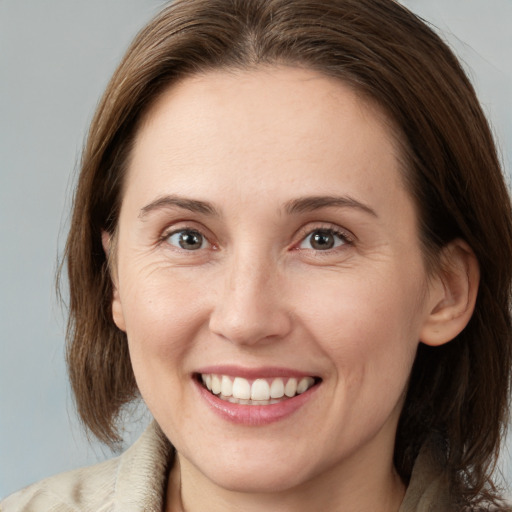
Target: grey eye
column 187, row 239
column 322, row 240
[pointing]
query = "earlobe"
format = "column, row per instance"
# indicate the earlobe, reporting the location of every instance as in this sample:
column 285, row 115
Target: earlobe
column 105, row 242
column 117, row 309
column 452, row 293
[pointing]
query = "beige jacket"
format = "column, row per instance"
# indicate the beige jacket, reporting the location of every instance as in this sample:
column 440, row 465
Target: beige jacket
column 136, row 482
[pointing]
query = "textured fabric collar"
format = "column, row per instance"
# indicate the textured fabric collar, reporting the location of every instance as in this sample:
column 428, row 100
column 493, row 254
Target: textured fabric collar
column 428, row 490
column 142, row 473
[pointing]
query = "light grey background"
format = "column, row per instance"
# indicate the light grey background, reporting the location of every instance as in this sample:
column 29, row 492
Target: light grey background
column 55, row 59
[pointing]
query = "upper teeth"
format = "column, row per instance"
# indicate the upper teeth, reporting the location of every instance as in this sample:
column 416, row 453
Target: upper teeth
column 260, row 389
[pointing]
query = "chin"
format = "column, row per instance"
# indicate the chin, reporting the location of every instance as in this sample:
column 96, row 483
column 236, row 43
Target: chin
column 257, row 480
column 255, row 469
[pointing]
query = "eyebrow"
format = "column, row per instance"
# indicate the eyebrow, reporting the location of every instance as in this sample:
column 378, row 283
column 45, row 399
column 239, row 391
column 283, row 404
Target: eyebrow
column 295, row 206
column 312, row 203
column 172, row 201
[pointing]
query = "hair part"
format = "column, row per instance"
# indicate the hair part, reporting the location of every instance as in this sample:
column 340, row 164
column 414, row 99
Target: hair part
column 459, row 391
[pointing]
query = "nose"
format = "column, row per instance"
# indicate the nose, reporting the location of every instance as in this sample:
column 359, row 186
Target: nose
column 251, row 307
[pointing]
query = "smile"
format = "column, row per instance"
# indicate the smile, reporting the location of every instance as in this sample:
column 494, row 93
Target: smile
column 260, row 391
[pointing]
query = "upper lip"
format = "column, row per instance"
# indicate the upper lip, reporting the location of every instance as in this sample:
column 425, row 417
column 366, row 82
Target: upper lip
column 265, row 372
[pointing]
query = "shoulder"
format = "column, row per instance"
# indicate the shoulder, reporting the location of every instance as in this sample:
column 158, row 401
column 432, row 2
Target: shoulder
column 133, row 482
column 85, row 489
column 431, row 490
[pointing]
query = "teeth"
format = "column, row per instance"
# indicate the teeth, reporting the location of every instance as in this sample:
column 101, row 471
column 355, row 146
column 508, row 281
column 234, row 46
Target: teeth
column 215, row 384
column 291, row 388
column 305, row 384
column 277, row 388
column 262, row 391
column 207, row 381
column 241, row 388
column 226, row 386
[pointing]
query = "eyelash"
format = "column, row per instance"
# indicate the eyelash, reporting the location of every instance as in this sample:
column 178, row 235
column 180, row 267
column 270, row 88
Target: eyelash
column 185, row 229
column 345, row 237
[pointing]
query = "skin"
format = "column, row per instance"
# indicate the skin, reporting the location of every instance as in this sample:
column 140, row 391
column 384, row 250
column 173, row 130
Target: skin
column 257, row 293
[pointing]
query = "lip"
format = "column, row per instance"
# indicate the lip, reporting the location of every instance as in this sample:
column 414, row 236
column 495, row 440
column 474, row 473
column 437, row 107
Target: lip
column 253, row 415
column 253, row 373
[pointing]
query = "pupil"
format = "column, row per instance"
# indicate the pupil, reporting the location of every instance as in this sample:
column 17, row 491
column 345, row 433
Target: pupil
column 322, row 240
column 190, row 240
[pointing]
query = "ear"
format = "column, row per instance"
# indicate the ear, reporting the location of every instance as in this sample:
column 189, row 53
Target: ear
column 452, row 293
column 117, row 308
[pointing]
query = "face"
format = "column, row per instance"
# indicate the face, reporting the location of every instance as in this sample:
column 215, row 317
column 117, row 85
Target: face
column 268, row 250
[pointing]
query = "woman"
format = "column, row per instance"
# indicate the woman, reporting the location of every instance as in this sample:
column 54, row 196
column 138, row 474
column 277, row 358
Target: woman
column 292, row 237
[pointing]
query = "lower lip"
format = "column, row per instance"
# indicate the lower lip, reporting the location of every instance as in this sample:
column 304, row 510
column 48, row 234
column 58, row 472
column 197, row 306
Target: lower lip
column 254, row 415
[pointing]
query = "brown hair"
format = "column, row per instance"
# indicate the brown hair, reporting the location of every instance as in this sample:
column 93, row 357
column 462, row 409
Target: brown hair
column 458, row 391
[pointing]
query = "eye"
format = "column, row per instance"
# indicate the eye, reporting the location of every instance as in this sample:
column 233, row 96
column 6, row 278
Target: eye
column 323, row 240
column 187, row 239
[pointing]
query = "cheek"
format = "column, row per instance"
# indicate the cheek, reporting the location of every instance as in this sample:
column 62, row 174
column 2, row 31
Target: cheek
column 163, row 313
column 162, row 320
column 368, row 326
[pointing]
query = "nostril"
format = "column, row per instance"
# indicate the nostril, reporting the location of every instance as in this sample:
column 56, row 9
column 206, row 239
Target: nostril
column 249, row 326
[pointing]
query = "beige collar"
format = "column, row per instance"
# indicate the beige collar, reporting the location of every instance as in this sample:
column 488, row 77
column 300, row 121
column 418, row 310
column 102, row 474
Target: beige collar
column 142, row 474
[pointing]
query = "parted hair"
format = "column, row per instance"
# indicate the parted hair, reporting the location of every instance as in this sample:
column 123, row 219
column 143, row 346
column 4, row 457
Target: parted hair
column 457, row 392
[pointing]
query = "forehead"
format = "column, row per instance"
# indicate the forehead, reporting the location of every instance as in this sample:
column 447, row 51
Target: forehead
column 225, row 94
column 263, row 130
